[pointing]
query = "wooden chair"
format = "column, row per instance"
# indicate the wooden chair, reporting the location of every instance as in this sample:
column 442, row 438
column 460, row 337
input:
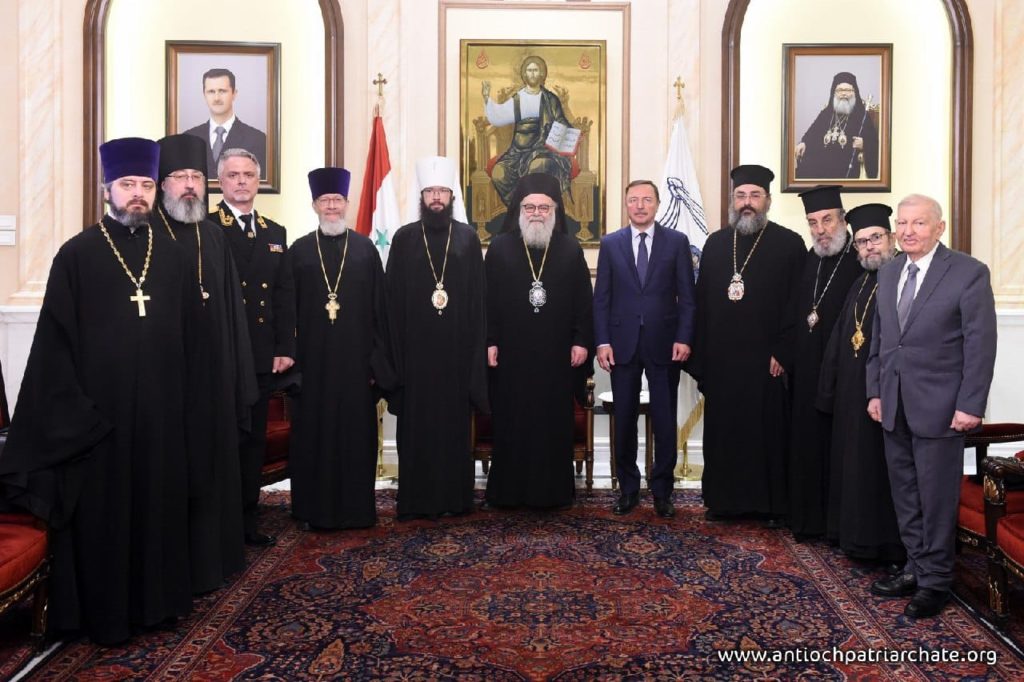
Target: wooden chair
column 971, row 514
column 481, row 437
column 279, row 429
column 1004, row 522
column 24, row 551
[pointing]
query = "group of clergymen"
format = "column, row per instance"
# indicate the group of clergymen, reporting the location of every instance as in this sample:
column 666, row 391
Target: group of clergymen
column 140, row 424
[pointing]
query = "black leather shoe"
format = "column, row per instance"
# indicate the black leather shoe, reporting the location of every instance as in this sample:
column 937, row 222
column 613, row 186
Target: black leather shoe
column 926, row 603
column 664, row 508
column 626, row 503
column 902, row 585
column 258, row 539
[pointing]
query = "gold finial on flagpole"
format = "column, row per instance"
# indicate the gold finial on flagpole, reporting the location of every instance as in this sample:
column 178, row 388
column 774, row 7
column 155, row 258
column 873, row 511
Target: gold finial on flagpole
column 679, row 85
column 380, row 82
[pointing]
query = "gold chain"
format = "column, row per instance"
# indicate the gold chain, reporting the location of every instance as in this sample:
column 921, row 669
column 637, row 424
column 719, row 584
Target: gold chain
column 867, row 304
column 444, row 266
column 752, row 249
column 199, row 248
column 529, row 259
column 332, row 293
column 145, row 267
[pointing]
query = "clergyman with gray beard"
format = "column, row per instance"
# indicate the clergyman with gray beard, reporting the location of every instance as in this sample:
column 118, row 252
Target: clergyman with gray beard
column 539, row 344
column 225, row 386
column 861, row 517
column 842, row 142
column 829, row 267
column 746, row 323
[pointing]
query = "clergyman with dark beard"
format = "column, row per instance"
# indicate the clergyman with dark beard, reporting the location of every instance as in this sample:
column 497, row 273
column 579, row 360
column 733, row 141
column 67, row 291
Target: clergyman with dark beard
column 436, row 296
column 829, row 267
column 861, row 515
column 748, row 281
column 224, row 383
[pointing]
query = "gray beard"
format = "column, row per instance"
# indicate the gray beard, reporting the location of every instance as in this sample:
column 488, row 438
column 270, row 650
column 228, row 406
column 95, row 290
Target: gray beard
column 843, row 107
column 834, row 245
column 747, row 225
column 873, row 262
column 333, row 228
column 537, row 235
column 130, row 219
column 185, row 210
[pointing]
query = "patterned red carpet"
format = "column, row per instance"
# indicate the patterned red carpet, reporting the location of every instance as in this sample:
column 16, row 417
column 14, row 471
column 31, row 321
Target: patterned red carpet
column 575, row 595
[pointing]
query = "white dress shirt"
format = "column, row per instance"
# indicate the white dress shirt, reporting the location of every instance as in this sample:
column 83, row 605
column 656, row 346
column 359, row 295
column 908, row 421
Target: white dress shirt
column 635, row 233
column 226, row 125
column 922, row 264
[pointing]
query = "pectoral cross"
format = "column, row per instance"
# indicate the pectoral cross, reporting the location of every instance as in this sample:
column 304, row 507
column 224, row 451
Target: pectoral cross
column 332, row 308
column 141, row 299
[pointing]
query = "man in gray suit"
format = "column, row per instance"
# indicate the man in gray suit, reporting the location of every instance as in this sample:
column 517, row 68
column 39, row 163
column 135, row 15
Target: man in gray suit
column 928, row 377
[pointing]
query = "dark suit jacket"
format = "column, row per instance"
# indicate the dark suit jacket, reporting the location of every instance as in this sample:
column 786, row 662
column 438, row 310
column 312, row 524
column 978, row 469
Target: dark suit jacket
column 666, row 303
column 242, row 136
column 267, row 288
column 944, row 359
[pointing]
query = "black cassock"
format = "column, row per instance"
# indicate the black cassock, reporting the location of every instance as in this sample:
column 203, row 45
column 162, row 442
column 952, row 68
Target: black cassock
column 222, row 389
column 333, row 450
column 97, row 444
column 441, row 365
column 811, row 429
column 746, row 411
column 533, row 386
column 831, row 160
column 860, row 509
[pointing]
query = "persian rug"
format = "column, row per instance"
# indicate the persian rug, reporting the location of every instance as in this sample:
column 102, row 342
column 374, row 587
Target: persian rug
column 572, row 595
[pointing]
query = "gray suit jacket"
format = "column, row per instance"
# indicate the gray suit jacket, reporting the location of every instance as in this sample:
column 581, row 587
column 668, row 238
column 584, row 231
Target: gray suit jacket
column 943, row 360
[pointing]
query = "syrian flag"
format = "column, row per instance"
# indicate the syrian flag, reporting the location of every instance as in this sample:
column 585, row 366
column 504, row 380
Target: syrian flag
column 378, row 216
column 682, row 207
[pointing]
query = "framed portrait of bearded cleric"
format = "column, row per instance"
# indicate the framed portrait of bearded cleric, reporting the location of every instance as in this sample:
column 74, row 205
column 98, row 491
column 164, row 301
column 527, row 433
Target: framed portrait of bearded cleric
column 228, row 95
column 837, row 115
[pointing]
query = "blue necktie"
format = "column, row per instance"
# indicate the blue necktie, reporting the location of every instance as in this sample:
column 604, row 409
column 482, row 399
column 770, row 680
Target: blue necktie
column 642, row 258
column 907, row 296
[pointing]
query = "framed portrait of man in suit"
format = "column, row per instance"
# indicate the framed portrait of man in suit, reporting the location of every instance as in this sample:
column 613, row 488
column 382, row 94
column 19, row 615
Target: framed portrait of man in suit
column 228, row 94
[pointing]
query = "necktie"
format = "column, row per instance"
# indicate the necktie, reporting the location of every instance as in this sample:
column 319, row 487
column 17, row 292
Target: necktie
column 642, row 258
column 907, row 295
column 247, row 225
column 218, row 144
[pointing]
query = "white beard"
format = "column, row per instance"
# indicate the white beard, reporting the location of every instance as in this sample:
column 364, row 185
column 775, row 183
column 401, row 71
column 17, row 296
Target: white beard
column 185, row 210
column 833, row 246
column 333, row 228
column 537, row 234
column 843, row 107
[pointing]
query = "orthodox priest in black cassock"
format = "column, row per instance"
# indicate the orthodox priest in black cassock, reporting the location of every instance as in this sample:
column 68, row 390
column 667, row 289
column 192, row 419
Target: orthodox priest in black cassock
column 828, row 151
column 342, row 353
column 748, row 277
column 436, row 300
column 861, row 517
column 97, row 447
column 829, row 267
column 539, row 338
column 223, row 383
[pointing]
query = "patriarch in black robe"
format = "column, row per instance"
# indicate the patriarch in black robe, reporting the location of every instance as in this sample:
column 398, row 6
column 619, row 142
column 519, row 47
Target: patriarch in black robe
column 223, row 383
column 748, row 278
column 341, row 341
column 861, row 517
column 539, row 337
column 97, row 446
column 842, row 139
column 829, row 267
column 436, row 298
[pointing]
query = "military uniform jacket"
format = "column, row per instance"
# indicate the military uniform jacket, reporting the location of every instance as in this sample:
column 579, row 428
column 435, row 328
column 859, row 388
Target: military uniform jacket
column 267, row 288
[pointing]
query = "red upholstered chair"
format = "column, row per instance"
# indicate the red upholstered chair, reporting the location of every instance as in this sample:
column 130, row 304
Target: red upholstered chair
column 481, row 437
column 1004, row 521
column 279, row 428
column 971, row 515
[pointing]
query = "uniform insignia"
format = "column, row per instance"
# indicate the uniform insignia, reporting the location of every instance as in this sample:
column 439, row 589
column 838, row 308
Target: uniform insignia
column 260, row 221
column 225, row 219
column 276, row 248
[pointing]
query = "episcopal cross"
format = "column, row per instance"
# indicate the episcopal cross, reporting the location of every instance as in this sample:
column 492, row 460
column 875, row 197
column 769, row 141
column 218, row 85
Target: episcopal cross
column 679, row 85
column 332, row 308
column 141, row 299
column 380, row 82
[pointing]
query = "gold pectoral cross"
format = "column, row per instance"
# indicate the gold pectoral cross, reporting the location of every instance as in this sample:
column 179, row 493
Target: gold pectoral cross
column 332, row 307
column 141, row 299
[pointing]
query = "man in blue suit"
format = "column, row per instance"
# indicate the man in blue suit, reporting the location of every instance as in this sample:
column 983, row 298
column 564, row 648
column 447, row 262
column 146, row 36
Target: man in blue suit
column 928, row 377
column 644, row 313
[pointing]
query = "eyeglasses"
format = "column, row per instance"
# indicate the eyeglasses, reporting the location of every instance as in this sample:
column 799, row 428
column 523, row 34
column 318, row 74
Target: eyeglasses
column 130, row 185
column 436, row 191
column 542, row 209
column 328, row 200
column 875, row 238
column 845, row 91
column 235, row 175
column 183, row 176
column 753, row 196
